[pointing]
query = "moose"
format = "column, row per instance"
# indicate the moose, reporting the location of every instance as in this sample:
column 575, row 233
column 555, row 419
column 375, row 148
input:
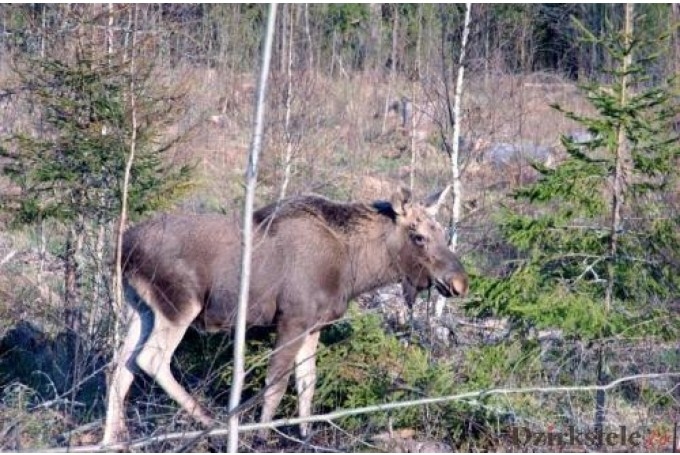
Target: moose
column 311, row 256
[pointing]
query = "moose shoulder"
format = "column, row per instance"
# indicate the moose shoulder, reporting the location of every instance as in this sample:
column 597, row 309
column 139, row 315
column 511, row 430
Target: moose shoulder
column 310, row 257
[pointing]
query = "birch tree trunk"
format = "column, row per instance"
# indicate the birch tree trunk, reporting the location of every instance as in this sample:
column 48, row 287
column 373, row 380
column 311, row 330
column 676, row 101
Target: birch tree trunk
column 109, row 32
column 393, row 65
column 251, row 180
column 118, row 277
column 43, row 31
column 289, row 97
column 455, row 152
column 414, row 146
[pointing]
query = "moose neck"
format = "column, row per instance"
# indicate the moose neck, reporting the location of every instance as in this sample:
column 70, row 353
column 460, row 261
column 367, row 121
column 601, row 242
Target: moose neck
column 374, row 257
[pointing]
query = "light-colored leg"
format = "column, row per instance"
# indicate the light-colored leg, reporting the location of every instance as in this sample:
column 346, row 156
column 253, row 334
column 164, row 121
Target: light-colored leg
column 154, row 358
column 275, row 388
column 305, row 378
column 121, row 380
column 281, row 363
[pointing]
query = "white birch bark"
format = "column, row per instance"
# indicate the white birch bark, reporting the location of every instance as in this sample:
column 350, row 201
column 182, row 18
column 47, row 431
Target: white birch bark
column 455, row 158
column 287, row 128
column 118, row 279
column 251, row 180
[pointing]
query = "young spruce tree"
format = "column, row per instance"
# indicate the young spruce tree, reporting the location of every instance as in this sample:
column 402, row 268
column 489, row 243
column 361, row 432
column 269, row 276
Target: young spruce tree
column 69, row 165
column 597, row 235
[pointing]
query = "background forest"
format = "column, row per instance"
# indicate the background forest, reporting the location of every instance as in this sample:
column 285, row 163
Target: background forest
column 568, row 159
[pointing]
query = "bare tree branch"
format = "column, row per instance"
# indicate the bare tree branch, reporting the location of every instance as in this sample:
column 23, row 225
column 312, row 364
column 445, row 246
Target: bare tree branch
column 473, row 395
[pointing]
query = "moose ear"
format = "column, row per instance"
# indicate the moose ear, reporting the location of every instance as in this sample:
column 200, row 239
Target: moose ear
column 399, row 200
column 434, row 201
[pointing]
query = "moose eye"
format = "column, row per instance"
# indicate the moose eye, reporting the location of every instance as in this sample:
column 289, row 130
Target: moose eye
column 418, row 239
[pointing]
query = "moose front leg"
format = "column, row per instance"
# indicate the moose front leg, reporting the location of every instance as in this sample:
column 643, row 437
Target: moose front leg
column 305, row 378
column 288, row 343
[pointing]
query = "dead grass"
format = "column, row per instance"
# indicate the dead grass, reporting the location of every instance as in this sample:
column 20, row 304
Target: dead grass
column 343, row 145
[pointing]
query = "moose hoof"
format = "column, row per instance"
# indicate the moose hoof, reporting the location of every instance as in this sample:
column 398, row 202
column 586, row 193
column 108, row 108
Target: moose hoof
column 305, row 433
column 261, row 439
column 118, row 438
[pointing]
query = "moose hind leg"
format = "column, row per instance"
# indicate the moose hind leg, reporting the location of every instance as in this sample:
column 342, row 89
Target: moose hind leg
column 305, row 378
column 154, row 358
column 115, row 429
